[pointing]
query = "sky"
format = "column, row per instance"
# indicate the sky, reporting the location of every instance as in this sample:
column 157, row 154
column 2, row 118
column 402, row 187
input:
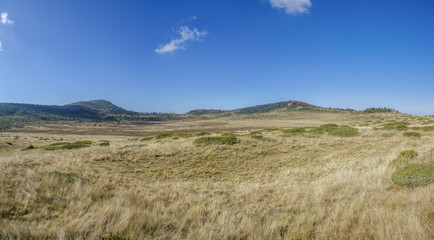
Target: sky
column 176, row 56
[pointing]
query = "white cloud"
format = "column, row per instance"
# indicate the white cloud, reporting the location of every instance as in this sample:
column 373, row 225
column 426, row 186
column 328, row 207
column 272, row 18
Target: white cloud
column 5, row 19
column 292, row 6
column 180, row 43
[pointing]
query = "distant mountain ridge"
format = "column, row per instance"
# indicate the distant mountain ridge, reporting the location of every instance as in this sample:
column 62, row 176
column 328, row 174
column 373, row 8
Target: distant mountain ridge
column 103, row 110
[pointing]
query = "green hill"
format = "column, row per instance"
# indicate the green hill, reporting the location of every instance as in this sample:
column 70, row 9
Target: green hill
column 100, row 106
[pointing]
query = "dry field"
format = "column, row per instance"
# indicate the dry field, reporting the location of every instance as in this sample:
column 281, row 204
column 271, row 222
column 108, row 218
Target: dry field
column 268, row 185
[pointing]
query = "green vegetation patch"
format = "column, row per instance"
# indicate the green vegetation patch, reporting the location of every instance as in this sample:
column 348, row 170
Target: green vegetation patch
column 410, row 154
column 228, row 134
column 67, row 177
column 414, row 174
column 412, row 134
column 146, row 138
column 294, row 132
column 424, row 128
column 66, row 145
column 185, row 135
column 344, row 131
column 216, row 140
column 400, row 126
column 164, row 135
column 378, row 110
column 104, row 144
column 404, row 157
column 260, row 137
column 317, row 131
column 30, row 147
column 328, row 127
column 179, row 135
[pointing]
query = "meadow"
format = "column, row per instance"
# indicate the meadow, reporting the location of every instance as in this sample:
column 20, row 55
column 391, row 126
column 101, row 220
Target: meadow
column 317, row 176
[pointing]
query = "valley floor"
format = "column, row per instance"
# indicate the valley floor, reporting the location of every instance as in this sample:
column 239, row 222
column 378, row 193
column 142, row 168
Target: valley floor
column 273, row 183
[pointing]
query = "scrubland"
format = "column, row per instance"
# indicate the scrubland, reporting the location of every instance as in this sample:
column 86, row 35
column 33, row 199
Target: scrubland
column 275, row 183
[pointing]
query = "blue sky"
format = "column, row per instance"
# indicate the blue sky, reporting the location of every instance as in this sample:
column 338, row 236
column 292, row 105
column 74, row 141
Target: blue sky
column 175, row 56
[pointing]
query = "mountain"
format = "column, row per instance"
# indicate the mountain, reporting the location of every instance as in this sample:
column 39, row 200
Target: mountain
column 264, row 108
column 32, row 112
column 94, row 110
column 103, row 110
column 100, row 105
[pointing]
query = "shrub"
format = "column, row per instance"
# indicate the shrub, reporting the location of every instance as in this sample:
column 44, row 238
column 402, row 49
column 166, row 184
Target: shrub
column 317, row 130
column 294, row 131
column 378, row 110
column 344, row 131
column 146, row 138
column 414, row 174
column 260, row 137
column 404, row 157
column 409, row 154
column 185, row 135
column 412, row 134
column 30, row 147
column 228, row 134
column 257, row 132
column 65, row 145
column 104, row 144
column 427, row 128
column 164, row 135
column 388, row 134
column 216, row 140
column 328, row 127
column 202, row 134
column 400, row 126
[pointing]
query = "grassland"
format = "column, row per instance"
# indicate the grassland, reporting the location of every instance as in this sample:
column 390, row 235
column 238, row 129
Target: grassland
column 293, row 178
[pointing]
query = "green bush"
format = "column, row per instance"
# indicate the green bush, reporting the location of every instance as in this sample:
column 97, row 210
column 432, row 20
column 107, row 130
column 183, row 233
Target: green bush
column 256, row 132
column 404, row 157
column 414, row 174
column 400, row 126
column 409, row 154
column 344, row 131
column 388, row 134
column 378, row 110
column 146, row 138
column 294, row 132
column 164, row 135
column 66, row 145
column 328, row 127
column 30, row 147
column 185, row 135
column 104, row 144
column 428, row 128
column 202, row 134
column 412, row 134
column 317, row 130
column 228, row 134
column 216, row 140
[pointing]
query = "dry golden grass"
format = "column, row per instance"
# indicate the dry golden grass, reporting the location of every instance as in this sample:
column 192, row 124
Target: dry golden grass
column 297, row 187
